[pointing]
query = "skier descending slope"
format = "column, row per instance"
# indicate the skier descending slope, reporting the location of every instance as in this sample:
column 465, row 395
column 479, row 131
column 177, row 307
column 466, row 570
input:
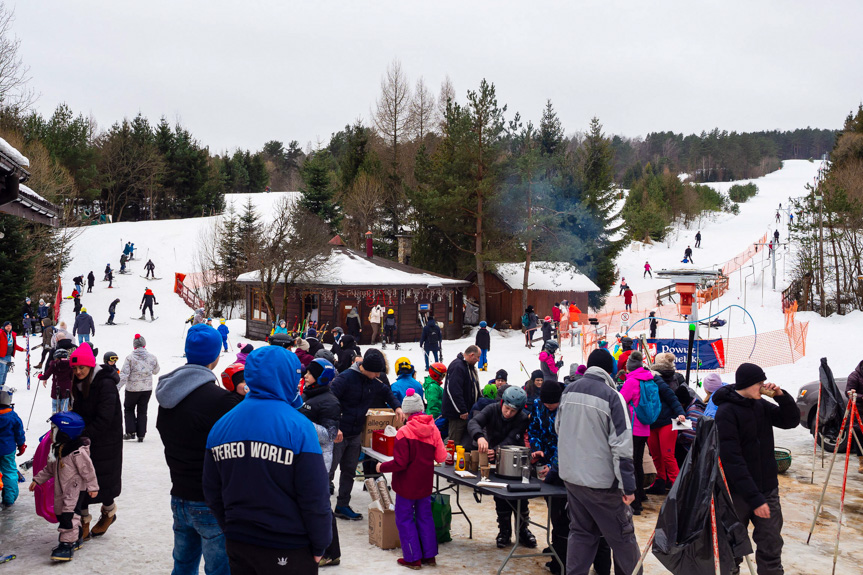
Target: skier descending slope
column 147, row 303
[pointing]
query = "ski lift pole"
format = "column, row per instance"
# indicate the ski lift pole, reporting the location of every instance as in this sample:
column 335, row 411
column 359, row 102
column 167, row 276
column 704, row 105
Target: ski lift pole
column 830, row 469
column 854, row 415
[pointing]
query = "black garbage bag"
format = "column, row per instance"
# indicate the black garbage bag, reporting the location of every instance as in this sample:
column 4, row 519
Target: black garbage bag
column 684, row 537
column 832, row 403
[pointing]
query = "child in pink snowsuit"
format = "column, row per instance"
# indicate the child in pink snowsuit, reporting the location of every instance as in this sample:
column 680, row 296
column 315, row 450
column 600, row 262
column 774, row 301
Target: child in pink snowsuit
column 418, row 445
column 74, row 478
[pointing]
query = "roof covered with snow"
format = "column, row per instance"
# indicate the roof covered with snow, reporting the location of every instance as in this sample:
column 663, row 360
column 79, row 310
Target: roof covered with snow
column 545, row 276
column 347, row 267
column 13, row 154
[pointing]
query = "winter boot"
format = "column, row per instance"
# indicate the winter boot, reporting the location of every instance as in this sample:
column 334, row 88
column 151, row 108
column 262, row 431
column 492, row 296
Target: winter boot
column 108, row 517
column 329, row 561
column 140, row 439
column 345, row 512
column 85, row 527
column 430, row 561
column 128, row 436
column 504, row 536
column 142, row 316
column 410, row 564
column 526, row 538
column 63, row 552
column 659, row 487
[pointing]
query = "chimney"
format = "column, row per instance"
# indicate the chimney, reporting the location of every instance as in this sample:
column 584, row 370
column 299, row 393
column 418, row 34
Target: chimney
column 405, row 241
column 370, row 252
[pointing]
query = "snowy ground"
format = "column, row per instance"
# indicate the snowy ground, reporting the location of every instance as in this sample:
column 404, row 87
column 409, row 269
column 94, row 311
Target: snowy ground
column 141, row 540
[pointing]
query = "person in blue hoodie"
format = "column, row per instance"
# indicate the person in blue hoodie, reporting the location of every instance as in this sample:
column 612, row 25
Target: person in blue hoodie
column 223, row 331
column 12, row 441
column 405, row 379
column 264, row 475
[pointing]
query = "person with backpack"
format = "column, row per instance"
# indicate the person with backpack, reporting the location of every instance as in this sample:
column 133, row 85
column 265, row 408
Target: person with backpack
column 642, row 398
column 529, row 323
column 60, row 372
column 390, row 328
column 663, row 438
column 430, row 341
column 483, row 342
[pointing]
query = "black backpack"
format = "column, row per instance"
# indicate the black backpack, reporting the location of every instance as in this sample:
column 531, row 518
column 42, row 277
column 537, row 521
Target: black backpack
column 432, row 338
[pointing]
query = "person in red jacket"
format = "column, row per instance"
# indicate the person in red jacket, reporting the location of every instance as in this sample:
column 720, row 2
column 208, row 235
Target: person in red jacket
column 418, row 445
column 627, row 298
column 8, row 347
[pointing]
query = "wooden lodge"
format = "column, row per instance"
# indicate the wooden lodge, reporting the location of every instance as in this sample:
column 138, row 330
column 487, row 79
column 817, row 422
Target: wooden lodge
column 353, row 279
column 548, row 282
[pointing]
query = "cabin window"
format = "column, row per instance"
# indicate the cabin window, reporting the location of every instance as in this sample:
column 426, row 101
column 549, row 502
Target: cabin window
column 450, row 308
column 259, row 306
column 311, row 306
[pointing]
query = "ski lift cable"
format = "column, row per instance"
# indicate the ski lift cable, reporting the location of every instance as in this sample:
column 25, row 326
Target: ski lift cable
column 754, row 343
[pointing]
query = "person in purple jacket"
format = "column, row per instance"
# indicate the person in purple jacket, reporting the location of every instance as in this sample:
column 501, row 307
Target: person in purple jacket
column 418, row 446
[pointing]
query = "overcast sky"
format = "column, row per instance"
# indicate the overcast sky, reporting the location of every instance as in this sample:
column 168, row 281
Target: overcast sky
column 239, row 73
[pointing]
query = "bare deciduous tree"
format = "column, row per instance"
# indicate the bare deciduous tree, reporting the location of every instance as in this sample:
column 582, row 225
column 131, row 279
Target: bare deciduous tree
column 362, row 205
column 447, row 94
column 392, row 115
column 15, row 95
column 422, row 110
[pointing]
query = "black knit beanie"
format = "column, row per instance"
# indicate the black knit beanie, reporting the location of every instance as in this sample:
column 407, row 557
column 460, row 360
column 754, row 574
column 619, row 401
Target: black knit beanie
column 373, row 360
column 501, row 374
column 601, row 358
column 550, row 391
column 747, row 375
column 316, row 369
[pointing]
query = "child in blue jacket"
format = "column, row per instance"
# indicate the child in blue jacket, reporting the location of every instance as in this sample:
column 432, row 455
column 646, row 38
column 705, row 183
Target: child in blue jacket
column 223, row 331
column 11, row 436
column 405, row 379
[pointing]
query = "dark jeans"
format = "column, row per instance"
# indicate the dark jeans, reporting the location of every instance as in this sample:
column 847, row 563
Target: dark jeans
column 638, row 443
column 346, row 456
column 110, row 318
column 436, row 355
column 248, row 559
column 595, row 514
column 197, row 533
column 46, row 351
column 136, row 401
column 767, row 533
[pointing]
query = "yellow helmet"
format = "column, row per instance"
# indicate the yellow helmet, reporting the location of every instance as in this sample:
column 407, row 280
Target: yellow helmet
column 390, row 312
column 403, row 365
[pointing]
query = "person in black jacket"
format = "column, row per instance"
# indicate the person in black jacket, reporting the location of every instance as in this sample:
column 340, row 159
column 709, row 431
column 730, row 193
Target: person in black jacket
column 353, row 324
column 346, row 352
column 96, row 399
column 430, row 340
column 460, row 392
column 663, row 439
column 91, row 281
column 322, row 407
column 653, row 325
column 687, row 255
column 504, row 423
column 112, row 309
column 357, row 388
column 315, row 344
column 190, row 403
column 745, row 423
column 483, row 342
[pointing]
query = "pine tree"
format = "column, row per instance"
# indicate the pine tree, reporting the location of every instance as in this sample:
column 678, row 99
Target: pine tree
column 248, row 228
column 16, row 269
column 550, row 131
column 318, row 193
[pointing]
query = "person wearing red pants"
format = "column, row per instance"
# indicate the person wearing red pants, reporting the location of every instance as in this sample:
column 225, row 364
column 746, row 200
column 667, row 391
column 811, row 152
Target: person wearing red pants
column 663, row 438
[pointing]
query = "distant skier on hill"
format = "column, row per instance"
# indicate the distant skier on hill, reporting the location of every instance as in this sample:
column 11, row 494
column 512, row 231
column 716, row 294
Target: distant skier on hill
column 647, row 270
column 112, row 309
column 776, row 237
column 91, row 280
column 147, row 303
column 687, row 255
column 123, row 259
column 698, row 239
column 151, row 269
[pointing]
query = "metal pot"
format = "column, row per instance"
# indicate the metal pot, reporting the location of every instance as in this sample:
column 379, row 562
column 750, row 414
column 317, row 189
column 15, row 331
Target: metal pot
column 512, row 461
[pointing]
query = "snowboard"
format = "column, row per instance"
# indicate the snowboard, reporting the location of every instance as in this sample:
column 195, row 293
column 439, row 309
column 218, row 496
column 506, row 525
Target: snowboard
column 125, row 273
column 147, row 320
column 115, row 323
column 146, row 278
column 6, row 558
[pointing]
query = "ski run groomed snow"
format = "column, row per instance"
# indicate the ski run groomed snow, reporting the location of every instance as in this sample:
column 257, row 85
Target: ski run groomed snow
column 141, row 539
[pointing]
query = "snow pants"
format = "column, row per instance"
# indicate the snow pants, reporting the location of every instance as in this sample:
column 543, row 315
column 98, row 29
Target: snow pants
column 136, row 401
column 662, row 442
column 70, row 521
column 10, row 478
column 4, row 368
column 767, row 534
column 483, row 358
column 594, row 514
column 416, row 528
column 144, row 309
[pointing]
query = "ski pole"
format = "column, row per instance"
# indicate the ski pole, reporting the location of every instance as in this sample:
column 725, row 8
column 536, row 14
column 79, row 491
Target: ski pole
column 31, row 408
column 845, row 479
column 644, row 554
column 815, row 437
column 829, row 471
column 715, row 535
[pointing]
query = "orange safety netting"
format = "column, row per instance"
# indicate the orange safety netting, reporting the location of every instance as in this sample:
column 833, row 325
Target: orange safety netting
column 767, row 349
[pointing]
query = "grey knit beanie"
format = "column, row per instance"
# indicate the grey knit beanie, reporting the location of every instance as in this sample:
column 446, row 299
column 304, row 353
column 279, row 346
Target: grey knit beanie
column 139, row 341
column 635, row 360
column 412, row 403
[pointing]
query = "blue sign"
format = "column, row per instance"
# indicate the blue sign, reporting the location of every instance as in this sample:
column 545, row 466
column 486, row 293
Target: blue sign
column 710, row 352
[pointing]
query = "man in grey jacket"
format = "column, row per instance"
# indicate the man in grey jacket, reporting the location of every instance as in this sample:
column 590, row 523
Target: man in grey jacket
column 593, row 425
column 137, row 375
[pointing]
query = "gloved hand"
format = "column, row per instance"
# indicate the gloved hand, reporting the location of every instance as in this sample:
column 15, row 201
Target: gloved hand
column 22, row 449
column 559, row 363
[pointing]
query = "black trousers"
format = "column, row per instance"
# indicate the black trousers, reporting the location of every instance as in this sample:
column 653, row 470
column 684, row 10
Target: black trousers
column 334, row 551
column 505, row 511
column 145, row 308
column 136, row 401
column 767, row 533
column 638, row 443
column 248, row 559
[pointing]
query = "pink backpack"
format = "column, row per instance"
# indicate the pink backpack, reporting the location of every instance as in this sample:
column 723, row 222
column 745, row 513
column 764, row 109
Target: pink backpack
column 44, row 493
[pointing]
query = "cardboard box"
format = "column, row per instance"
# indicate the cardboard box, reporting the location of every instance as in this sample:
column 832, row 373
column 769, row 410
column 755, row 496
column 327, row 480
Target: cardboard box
column 385, row 444
column 382, row 529
column 376, row 419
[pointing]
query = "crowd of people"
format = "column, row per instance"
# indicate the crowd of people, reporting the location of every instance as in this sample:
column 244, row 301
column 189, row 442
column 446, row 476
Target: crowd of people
column 292, row 412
